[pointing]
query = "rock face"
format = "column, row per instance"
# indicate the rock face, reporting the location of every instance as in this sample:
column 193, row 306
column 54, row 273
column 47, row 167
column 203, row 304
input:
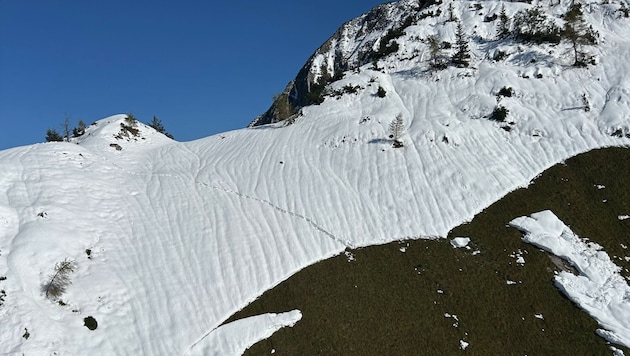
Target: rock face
column 355, row 43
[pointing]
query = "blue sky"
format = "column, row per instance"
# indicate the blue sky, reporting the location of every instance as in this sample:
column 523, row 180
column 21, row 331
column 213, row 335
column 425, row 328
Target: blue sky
column 202, row 67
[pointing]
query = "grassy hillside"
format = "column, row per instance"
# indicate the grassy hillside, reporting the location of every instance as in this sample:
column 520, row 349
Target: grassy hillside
column 386, row 301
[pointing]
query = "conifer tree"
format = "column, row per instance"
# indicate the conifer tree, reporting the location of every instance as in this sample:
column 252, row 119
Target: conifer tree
column 578, row 34
column 80, row 130
column 462, row 55
column 60, row 279
column 53, row 135
column 436, row 58
column 503, row 28
column 131, row 120
column 533, row 26
column 396, row 129
column 156, row 124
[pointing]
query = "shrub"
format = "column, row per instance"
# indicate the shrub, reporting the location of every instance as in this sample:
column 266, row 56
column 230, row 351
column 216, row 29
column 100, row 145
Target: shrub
column 126, row 130
column 387, row 45
column 624, row 10
column 490, row 18
column 131, row 120
column 532, row 25
column 381, row 92
column 80, row 130
column 351, row 89
column 53, row 135
column 499, row 55
column 506, row 91
column 316, row 95
column 281, row 106
column 499, row 114
column 587, row 105
column 90, row 323
column 60, row 279
column 387, row 48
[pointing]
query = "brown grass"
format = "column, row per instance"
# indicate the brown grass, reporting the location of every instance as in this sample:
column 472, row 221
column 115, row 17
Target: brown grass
column 387, row 302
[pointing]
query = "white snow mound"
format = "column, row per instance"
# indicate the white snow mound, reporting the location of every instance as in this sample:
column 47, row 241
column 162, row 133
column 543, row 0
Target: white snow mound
column 599, row 288
column 236, row 337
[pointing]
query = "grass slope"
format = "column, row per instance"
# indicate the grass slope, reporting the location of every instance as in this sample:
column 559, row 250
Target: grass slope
column 386, row 301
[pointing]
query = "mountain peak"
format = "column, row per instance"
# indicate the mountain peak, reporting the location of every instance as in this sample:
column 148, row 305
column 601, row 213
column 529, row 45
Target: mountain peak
column 121, row 132
column 408, row 25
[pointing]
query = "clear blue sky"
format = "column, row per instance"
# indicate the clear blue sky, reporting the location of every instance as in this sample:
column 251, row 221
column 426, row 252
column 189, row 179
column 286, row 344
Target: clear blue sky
column 202, row 67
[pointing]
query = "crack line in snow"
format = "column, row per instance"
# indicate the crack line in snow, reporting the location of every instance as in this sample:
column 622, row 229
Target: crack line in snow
column 347, row 244
column 310, row 221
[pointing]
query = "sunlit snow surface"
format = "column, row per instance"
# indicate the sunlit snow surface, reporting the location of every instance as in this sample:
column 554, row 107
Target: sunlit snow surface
column 599, row 289
column 460, row 242
column 183, row 235
column 236, row 337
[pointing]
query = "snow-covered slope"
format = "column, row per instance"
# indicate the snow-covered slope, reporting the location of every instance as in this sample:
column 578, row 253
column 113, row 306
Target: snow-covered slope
column 171, row 238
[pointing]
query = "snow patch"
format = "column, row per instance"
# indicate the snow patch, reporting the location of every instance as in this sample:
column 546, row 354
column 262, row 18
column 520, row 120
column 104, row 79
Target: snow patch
column 460, row 242
column 236, row 337
column 599, row 289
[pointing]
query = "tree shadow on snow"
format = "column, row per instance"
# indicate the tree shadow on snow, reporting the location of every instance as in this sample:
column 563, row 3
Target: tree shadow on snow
column 384, row 141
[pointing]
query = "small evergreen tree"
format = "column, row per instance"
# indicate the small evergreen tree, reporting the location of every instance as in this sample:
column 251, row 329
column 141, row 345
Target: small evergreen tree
column 436, row 57
column 60, row 279
column 396, row 129
column 79, row 130
column 503, row 28
column 578, row 34
column 131, row 120
column 462, row 54
column 156, row 124
column 53, row 135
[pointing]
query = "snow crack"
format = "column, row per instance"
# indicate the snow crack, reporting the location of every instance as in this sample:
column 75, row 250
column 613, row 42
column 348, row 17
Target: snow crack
column 314, row 225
